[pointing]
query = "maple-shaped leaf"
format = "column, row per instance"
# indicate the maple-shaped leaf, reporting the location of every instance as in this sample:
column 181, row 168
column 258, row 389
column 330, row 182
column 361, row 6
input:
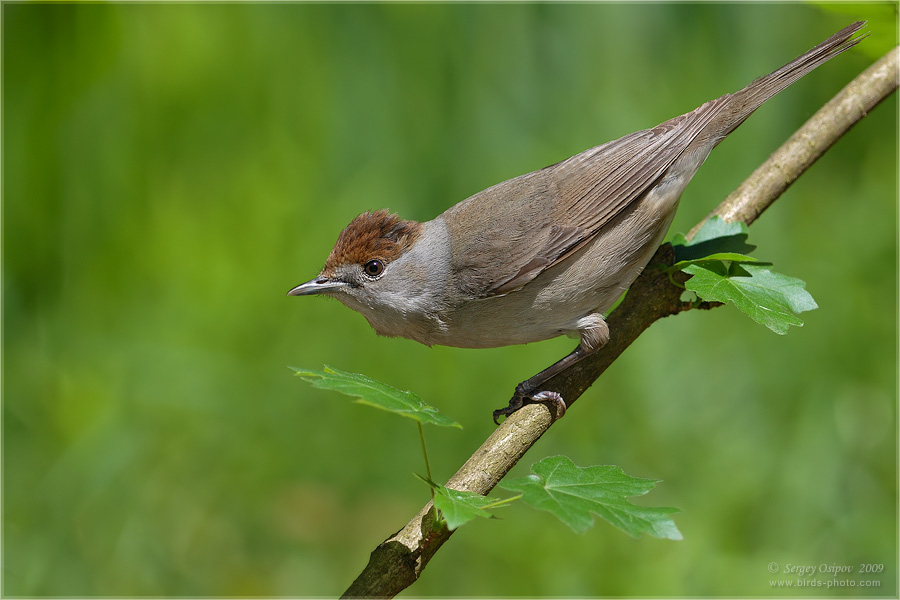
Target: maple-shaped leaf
column 458, row 507
column 574, row 494
column 375, row 393
column 722, row 272
column 715, row 236
column 769, row 298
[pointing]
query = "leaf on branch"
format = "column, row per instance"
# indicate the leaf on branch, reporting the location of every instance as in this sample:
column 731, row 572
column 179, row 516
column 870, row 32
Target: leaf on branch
column 574, row 494
column 719, row 257
column 722, row 272
column 769, row 298
column 458, row 507
column 714, row 237
column 375, row 393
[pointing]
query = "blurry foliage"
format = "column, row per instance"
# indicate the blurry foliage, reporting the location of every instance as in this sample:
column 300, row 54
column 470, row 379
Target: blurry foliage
column 171, row 170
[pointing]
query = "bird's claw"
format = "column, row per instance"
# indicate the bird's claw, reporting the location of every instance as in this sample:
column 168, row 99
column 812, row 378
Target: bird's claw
column 553, row 400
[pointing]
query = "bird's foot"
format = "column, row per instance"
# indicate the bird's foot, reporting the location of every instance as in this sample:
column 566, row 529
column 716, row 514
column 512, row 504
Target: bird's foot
column 524, row 395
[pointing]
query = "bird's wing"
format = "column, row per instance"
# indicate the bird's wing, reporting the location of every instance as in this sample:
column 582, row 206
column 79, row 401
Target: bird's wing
column 518, row 228
column 592, row 188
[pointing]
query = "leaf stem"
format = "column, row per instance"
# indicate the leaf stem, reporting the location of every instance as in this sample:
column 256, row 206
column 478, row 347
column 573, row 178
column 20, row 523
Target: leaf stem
column 425, row 454
column 500, row 502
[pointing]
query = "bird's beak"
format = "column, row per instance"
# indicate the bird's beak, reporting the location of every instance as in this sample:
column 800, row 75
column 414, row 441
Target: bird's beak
column 319, row 285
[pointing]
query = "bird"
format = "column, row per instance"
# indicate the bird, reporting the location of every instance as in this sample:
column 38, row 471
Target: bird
column 546, row 253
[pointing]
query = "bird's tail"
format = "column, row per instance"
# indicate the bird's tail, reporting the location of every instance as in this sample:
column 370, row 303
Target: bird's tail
column 741, row 104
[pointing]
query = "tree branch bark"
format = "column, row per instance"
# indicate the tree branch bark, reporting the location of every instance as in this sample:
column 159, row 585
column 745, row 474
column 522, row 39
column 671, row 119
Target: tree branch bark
column 398, row 561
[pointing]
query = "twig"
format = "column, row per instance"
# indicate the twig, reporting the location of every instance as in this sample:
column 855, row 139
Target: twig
column 398, row 561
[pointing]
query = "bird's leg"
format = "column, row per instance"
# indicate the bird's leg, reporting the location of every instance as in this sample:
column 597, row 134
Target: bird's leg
column 594, row 334
column 527, row 391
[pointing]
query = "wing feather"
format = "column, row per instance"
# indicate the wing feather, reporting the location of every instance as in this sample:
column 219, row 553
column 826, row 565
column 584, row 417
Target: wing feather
column 517, row 229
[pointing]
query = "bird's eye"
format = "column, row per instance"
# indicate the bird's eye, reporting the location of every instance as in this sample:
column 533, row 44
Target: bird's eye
column 373, row 268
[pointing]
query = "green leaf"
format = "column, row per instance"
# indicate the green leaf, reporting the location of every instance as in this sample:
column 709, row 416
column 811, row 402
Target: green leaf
column 769, row 298
column 574, row 494
column 459, row 507
column 714, row 237
column 375, row 393
column 718, row 256
column 723, row 273
column 715, row 227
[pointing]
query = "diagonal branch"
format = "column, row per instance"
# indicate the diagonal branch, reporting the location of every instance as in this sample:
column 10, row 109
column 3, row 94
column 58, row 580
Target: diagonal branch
column 398, row 561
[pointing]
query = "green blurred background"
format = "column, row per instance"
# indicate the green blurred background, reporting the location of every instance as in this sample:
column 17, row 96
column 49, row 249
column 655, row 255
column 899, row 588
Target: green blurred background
column 170, row 171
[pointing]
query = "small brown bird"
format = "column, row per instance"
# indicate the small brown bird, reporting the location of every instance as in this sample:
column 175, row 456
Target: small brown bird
column 546, row 253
